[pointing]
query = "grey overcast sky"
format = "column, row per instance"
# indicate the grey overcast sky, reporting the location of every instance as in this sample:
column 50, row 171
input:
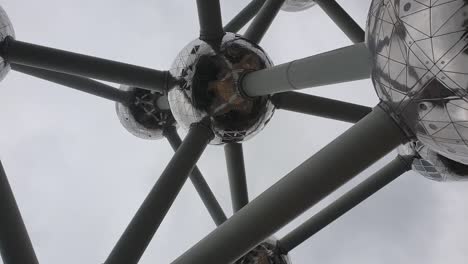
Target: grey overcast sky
column 79, row 177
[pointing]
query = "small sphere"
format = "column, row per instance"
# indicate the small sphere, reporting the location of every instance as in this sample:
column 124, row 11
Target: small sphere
column 147, row 116
column 6, row 29
column 265, row 253
column 206, row 87
column 297, row 5
column 432, row 165
column 420, row 69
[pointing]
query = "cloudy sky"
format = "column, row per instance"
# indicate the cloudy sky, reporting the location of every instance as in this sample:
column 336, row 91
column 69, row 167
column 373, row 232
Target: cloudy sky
column 79, row 177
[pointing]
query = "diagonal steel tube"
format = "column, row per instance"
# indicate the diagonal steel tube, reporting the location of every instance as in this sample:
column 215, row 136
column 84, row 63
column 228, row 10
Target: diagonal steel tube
column 244, row 16
column 263, row 20
column 349, row 154
column 236, row 173
column 198, row 181
column 344, row 21
column 151, row 213
column 352, row 63
column 78, row 83
column 18, row 52
column 15, row 244
column 348, row 201
column 211, row 25
column 319, row 106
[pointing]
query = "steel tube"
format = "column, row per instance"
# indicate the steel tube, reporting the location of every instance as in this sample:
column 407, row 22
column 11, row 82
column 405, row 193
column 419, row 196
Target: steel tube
column 209, row 16
column 236, row 173
column 357, row 148
column 319, row 106
column 345, row 203
column 342, row 65
column 18, row 52
column 15, row 244
column 78, row 83
column 244, row 16
column 198, row 182
column 151, row 213
column 343, row 20
column 263, row 20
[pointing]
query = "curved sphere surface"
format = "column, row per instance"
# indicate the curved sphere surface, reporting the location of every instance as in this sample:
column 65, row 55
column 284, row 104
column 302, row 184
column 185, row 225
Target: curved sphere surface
column 265, row 253
column 420, row 69
column 297, row 5
column 432, row 165
column 6, row 29
column 206, row 88
column 147, row 115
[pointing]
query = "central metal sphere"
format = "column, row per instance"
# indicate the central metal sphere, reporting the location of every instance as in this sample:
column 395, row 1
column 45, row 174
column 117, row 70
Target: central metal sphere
column 207, row 88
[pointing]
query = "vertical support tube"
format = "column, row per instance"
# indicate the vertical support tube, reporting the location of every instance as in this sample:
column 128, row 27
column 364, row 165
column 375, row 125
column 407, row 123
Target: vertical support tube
column 236, row 173
column 211, row 25
column 344, row 21
column 15, row 244
column 151, row 213
column 338, row 162
column 198, row 181
column 345, row 203
column 263, row 20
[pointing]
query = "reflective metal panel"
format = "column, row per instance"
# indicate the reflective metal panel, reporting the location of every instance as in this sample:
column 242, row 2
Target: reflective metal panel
column 297, row 5
column 148, row 114
column 6, row 29
column 432, row 165
column 420, row 69
column 206, row 88
column 265, row 253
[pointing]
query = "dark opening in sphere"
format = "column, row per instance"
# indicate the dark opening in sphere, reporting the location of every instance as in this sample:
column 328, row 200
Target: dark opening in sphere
column 207, row 88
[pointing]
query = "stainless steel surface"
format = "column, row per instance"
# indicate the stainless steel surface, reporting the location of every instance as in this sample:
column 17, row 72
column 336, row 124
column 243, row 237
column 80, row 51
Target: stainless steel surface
column 145, row 117
column 206, row 87
column 297, row 5
column 432, row 165
column 265, row 253
column 420, row 69
column 6, row 29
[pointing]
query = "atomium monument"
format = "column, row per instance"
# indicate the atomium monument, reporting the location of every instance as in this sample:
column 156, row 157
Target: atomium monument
column 223, row 89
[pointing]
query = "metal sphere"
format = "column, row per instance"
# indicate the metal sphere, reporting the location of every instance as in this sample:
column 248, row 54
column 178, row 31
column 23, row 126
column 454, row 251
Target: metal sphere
column 265, row 253
column 297, row 5
column 147, row 115
column 6, row 29
column 207, row 88
column 433, row 165
column 420, row 71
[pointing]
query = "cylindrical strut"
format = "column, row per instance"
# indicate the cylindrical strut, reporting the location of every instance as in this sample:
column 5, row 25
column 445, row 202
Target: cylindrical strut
column 357, row 148
column 15, row 51
column 342, row 65
column 348, row 201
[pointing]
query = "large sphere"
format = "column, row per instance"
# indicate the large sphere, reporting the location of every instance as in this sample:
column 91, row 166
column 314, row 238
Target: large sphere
column 432, row 165
column 420, row 69
column 147, row 115
column 297, row 5
column 6, row 29
column 207, row 88
column 265, row 253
